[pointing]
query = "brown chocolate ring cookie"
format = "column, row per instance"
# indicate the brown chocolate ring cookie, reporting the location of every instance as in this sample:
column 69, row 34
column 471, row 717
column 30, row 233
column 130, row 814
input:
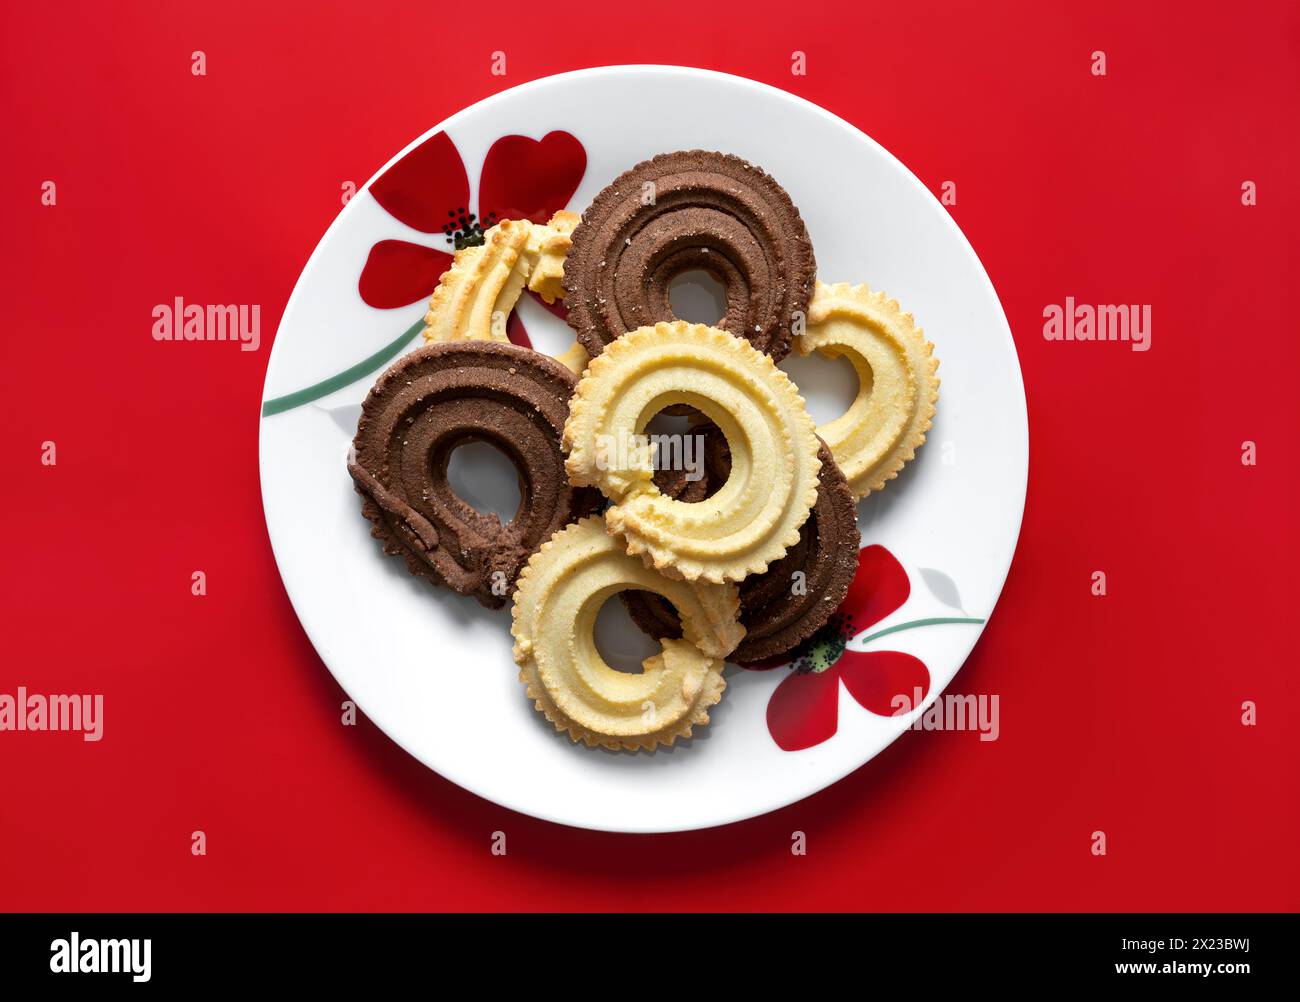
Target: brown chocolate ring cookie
column 690, row 211
column 430, row 402
column 777, row 615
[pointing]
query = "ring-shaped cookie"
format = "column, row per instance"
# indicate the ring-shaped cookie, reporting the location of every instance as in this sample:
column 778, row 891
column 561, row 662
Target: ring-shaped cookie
column 476, row 294
column 560, row 593
column 797, row 595
column 422, row 408
column 690, row 211
column 897, row 384
column 756, row 514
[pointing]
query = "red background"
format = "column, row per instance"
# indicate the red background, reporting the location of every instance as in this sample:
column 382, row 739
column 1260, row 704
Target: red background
column 1119, row 713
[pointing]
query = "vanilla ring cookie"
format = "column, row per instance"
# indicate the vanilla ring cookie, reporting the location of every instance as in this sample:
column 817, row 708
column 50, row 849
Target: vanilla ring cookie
column 560, row 593
column 548, row 247
column 755, row 515
column 897, row 385
column 476, row 295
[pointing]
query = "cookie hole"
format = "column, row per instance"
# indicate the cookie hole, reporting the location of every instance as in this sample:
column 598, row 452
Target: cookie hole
column 619, row 641
column 698, row 298
column 548, row 333
column 681, row 459
column 484, row 478
column 828, row 385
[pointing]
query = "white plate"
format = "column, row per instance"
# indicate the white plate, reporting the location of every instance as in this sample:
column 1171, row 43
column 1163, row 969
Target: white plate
column 433, row 669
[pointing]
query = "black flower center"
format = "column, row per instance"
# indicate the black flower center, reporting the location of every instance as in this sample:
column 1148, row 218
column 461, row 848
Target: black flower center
column 464, row 229
column 824, row 647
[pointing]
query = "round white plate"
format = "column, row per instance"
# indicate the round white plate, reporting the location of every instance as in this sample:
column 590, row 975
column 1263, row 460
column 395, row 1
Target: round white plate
column 434, row 670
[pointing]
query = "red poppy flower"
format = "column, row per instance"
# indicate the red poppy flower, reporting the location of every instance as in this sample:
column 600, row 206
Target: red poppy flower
column 804, row 709
column 428, row 190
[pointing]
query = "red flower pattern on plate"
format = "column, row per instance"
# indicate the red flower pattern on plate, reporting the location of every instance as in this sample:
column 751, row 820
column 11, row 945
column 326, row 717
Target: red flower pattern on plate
column 428, row 190
column 804, row 709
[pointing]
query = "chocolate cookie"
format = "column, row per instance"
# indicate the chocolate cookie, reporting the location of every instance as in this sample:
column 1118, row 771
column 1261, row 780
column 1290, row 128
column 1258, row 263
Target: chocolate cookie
column 690, row 211
column 443, row 396
column 779, row 611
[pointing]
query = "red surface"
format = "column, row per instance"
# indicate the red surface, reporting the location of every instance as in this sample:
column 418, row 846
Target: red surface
column 1119, row 713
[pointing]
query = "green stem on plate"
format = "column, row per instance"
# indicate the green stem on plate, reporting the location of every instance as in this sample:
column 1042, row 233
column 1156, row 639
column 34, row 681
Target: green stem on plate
column 915, row 623
column 345, row 378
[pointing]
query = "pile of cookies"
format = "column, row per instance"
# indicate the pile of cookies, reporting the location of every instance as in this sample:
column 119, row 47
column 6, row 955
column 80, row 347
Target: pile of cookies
column 745, row 561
